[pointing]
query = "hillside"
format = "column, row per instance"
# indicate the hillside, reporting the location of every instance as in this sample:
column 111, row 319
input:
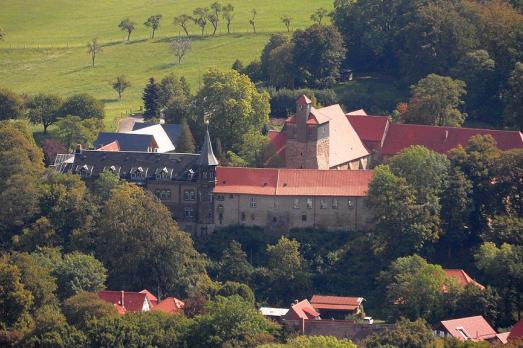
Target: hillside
column 44, row 50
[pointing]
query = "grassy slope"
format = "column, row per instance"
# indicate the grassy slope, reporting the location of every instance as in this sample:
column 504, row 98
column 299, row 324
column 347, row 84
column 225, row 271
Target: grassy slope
column 44, row 50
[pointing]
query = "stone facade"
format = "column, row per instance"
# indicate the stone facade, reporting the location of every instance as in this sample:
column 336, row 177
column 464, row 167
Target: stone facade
column 282, row 213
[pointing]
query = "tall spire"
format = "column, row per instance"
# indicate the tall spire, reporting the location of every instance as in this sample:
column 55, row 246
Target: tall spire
column 207, row 157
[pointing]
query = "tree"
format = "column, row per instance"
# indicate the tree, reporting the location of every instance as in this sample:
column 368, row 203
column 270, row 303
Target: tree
column 405, row 334
column 182, row 21
column 234, row 288
column 414, row 288
column 318, row 15
column 232, row 105
column 36, row 278
column 234, row 265
column 394, row 208
column 106, row 182
column 288, row 272
column 435, row 101
column 312, row 342
column 286, row 20
column 72, row 130
column 15, row 300
column 252, row 21
column 51, row 147
column 275, row 41
column 83, row 307
column 180, row 47
column 11, row 105
column 163, row 256
column 185, row 143
column 153, row 22
column 231, row 321
column 173, row 87
column 502, row 267
column 178, row 109
column 214, row 17
column 514, row 98
column 201, row 14
column 318, row 54
column 83, row 105
column 126, row 25
column 237, row 65
column 151, row 100
column 227, row 15
column 120, row 84
column 44, row 109
column 78, row 273
column 93, row 48
column 504, row 229
column 257, row 151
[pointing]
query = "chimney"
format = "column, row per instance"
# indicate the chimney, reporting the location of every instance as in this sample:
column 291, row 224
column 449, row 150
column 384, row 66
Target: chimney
column 78, row 148
column 122, row 298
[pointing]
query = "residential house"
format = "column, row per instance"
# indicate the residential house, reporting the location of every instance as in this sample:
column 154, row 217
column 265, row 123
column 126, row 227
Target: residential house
column 274, row 313
column 337, row 307
column 517, row 331
column 471, row 328
column 142, row 301
column 462, row 278
column 300, row 311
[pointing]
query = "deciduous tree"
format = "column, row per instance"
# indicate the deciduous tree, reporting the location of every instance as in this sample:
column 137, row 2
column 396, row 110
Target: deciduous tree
column 120, row 84
column 153, row 22
column 318, row 15
column 15, row 300
column 44, row 109
column 436, row 101
column 128, row 26
column 83, row 105
column 514, row 98
column 252, row 21
column 11, row 105
column 228, row 15
column 93, row 49
column 234, row 265
column 72, row 130
column 214, row 17
column 180, row 47
column 83, row 307
column 201, row 15
column 405, row 334
column 286, row 20
column 182, row 21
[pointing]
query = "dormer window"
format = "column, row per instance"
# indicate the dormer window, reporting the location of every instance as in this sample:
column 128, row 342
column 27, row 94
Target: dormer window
column 138, row 173
column 85, row 171
column 190, row 174
column 163, row 174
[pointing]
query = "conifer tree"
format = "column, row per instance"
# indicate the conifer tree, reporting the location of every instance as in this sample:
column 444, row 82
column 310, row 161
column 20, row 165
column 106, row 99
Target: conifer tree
column 151, row 100
column 185, row 143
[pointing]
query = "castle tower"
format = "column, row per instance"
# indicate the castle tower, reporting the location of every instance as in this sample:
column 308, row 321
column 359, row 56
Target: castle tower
column 206, row 171
column 307, row 138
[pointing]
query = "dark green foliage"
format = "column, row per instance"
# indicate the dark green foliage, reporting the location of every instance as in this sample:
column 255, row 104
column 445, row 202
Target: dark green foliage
column 11, row 105
column 233, row 288
column 237, row 65
column 186, row 143
column 44, row 109
column 152, row 100
column 405, row 334
column 15, row 300
column 84, row 106
column 72, row 131
column 514, row 98
column 283, row 101
column 233, row 265
column 106, row 182
column 84, row 307
column 318, row 53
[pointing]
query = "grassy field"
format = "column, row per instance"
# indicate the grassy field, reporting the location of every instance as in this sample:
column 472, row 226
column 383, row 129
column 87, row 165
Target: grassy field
column 44, row 50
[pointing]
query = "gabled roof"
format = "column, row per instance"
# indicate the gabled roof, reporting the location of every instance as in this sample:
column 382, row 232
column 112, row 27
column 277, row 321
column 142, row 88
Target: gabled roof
column 369, row 128
column 517, row 331
column 162, row 139
column 278, row 141
column 153, row 299
column 359, row 112
column 336, row 302
column 443, row 139
column 503, row 337
column 170, row 305
column 462, row 278
column 273, row 312
column 293, row 182
column 470, row 328
column 302, row 310
column 173, row 131
column 126, row 141
column 114, row 146
column 303, row 100
column 132, row 301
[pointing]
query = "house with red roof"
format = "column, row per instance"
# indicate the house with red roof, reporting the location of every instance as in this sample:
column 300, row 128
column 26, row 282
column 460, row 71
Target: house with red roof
column 281, row 199
column 517, row 331
column 471, row 328
column 142, row 301
column 337, row 307
column 462, row 278
column 302, row 310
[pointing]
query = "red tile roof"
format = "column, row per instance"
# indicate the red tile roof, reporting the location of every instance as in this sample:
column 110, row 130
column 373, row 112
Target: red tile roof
column 132, row 301
column 303, row 100
column 473, row 328
column 113, row 146
column 369, row 128
column 119, row 309
column 336, row 302
column 170, row 305
column 517, row 331
column 153, row 299
column 503, row 337
column 293, row 182
column 302, row 310
column 442, row 139
column 462, row 277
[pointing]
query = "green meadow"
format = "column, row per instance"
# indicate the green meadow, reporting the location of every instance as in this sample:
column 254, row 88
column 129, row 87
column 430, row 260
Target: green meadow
column 45, row 46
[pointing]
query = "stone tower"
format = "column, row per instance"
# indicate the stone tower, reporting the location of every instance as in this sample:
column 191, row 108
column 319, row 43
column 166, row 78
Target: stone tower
column 307, row 138
column 206, row 176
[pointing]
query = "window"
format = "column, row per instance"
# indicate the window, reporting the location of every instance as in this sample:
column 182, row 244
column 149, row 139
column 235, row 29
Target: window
column 349, row 203
column 304, row 217
column 296, row 203
column 243, row 216
column 323, row 204
column 334, row 203
column 276, row 203
column 163, row 195
column 138, row 173
column 85, row 171
column 220, row 198
column 163, row 174
column 253, row 202
column 189, row 195
column 309, row 203
column 189, row 212
column 231, row 196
